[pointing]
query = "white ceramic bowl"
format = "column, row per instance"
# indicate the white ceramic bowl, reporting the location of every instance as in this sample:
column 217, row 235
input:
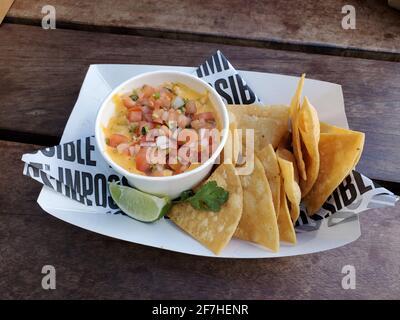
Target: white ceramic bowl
column 172, row 185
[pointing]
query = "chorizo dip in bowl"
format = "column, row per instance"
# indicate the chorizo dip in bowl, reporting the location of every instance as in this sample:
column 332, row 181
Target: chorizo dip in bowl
column 162, row 130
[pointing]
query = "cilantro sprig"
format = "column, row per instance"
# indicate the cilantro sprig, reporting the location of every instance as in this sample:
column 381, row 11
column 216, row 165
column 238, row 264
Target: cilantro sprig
column 134, row 96
column 210, row 197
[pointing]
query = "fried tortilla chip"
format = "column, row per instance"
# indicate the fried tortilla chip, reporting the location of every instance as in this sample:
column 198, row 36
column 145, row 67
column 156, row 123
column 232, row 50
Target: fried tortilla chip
column 269, row 161
column 236, row 143
column 258, row 223
column 270, row 123
column 328, row 128
column 285, row 224
column 287, row 155
column 339, row 151
column 292, row 188
column 213, row 229
column 294, row 115
column 309, row 133
column 286, row 141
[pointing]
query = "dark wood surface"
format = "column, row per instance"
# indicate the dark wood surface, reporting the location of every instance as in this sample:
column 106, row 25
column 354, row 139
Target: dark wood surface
column 290, row 24
column 52, row 64
column 40, row 76
column 93, row 266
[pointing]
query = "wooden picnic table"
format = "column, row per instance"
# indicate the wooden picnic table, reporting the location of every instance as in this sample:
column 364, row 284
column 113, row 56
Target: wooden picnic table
column 41, row 72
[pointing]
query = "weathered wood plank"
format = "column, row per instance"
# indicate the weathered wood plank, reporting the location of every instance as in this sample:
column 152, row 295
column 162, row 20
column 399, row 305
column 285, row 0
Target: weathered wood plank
column 91, row 266
column 13, row 185
column 309, row 23
column 42, row 71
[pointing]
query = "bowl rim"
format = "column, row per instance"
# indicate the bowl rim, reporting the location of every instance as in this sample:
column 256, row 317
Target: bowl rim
column 209, row 161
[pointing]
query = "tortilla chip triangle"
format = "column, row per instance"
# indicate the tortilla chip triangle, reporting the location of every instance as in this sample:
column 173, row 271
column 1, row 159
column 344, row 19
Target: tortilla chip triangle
column 292, row 189
column 285, row 224
column 294, row 115
column 270, row 123
column 309, row 133
column 339, row 150
column 213, row 229
column 258, row 223
column 328, row 128
column 269, row 161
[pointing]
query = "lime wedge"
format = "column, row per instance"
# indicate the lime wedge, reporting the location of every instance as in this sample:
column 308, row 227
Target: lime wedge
column 139, row 205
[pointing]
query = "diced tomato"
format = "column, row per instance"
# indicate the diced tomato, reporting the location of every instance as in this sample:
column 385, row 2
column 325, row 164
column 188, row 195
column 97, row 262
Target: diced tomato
column 204, row 116
column 141, row 160
column 188, row 135
column 148, row 117
column 165, row 101
column 151, row 103
column 146, row 109
column 151, row 125
column 135, row 116
column 135, row 108
column 128, row 102
column 191, row 107
column 172, row 115
column 179, row 167
column 157, row 104
column 188, row 153
column 146, row 102
column 116, row 139
column 183, row 121
column 147, row 91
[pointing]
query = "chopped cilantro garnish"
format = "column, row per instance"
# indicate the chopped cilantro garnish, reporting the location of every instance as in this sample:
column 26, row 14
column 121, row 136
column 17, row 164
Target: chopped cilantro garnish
column 144, row 131
column 134, row 97
column 210, row 197
column 186, row 195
